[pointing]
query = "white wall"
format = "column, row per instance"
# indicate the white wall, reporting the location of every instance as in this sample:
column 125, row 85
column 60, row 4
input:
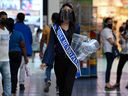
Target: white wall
column 53, row 6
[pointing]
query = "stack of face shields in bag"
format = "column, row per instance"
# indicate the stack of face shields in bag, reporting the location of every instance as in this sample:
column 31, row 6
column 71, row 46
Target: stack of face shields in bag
column 84, row 46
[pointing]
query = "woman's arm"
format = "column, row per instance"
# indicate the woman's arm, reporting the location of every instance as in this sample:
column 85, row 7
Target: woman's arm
column 22, row 45
column 48, row 57
column 112, row 42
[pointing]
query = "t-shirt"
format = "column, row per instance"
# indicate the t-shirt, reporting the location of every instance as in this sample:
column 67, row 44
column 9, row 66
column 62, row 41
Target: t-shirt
column 4, row 45
column 25, row 30
column 105, row 35
column 46, row 33
column 124, row 44
column 14, row 42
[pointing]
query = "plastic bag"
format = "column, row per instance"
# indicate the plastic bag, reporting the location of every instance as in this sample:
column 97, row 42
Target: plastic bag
column 84, row 46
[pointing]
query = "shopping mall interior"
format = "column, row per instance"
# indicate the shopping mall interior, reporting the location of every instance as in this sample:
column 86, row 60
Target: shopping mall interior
column 89, row 15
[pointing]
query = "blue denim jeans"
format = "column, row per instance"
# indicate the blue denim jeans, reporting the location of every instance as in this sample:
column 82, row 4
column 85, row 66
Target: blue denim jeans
column 6, row 77
column 48, row 72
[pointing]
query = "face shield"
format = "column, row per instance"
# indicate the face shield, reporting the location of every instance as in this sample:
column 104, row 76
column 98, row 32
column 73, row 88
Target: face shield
column 66, row 15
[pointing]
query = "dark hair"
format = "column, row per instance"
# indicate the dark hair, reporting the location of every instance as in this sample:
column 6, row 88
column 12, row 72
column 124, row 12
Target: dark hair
column 20, row 17
column 39, row 30
column 107, row 19
column 55, row 17
column 74, row 19
column 2, row 22
column 3, row 13
column 10, row 24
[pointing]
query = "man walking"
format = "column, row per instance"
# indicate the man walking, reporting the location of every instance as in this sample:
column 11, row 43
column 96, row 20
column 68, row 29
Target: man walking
column 23, row 28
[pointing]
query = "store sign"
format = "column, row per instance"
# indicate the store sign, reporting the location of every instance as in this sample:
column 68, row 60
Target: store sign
column 101, row 2
column 30, row 4
column 10, row 4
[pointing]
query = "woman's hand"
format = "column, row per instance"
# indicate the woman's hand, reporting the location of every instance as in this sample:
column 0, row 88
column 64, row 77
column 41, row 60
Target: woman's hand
column 26, row 60
column 42, row 66
column 41, row 54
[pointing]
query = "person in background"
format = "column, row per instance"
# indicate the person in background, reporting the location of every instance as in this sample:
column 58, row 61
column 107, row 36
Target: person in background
column 122, row 27
column 108, row 40
column 3, row 15
column 16, row 49
column 123, row 54
column 4, row 58
column 36, row 43
column 121, row 31
column 65, row 70
column 45, row 39
column 25, row 30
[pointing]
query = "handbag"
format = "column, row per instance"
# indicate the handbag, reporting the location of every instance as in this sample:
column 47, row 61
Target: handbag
column 115, row 51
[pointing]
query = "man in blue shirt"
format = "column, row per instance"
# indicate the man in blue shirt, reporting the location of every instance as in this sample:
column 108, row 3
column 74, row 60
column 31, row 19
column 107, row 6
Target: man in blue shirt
column 16, row 51
column 25, row 30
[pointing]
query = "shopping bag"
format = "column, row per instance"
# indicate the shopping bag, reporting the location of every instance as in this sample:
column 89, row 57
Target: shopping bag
column 27, row 70
column 84, row 46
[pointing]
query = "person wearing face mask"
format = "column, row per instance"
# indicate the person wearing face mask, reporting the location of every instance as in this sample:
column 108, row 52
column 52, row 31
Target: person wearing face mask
column 4, row 58
column 108, row 40
column 65, row 70
column 123, row 56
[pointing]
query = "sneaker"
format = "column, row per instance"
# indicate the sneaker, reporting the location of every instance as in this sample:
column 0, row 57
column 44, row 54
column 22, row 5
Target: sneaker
column 47, row 85
column 109, row 87
column 45, row 80
column 126, row 86
column 116, row 85
column 22, row 88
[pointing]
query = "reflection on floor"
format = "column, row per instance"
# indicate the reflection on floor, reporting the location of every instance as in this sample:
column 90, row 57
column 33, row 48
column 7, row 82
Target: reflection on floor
column 82, row 87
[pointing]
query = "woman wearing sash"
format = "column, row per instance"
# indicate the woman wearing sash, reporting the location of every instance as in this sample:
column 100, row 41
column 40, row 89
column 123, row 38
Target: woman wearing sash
column 65, row 70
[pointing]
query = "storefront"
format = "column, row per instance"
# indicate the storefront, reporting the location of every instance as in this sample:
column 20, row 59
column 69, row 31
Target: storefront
column 32, row 8
column 117, row 9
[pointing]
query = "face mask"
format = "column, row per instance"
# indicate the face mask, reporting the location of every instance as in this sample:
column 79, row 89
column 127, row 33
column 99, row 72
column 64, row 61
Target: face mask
column 66, row 16
column 109, row 26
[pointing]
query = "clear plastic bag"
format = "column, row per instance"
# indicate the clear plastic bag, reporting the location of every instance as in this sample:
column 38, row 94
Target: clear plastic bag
column 84, row 46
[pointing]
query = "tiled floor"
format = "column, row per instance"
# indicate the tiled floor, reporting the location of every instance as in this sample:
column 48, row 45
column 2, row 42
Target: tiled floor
column 82, row 87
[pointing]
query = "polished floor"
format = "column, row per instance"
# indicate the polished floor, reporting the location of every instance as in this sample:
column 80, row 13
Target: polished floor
column 34, row 84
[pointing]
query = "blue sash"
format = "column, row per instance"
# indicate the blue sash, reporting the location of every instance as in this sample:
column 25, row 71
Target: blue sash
column 67, row 48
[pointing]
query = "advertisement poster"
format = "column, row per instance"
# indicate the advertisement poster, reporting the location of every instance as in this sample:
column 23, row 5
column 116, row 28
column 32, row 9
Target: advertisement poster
column 30, row 4
column 10, row 4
